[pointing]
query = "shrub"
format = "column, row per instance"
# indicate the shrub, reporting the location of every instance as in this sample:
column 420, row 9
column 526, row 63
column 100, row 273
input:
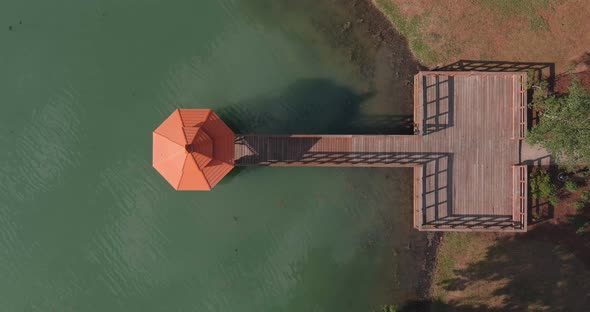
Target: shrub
column 563, row 125
column 581, row 229
column 388, row 308
column 580, row 223
column 542, row 187
column 571, row 186
column 540, row 93
column 579, row 205
column 585, row 197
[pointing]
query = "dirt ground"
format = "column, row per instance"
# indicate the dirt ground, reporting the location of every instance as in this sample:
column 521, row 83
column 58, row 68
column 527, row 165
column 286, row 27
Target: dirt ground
column 545, row 269
column 441, row 32
column 563, row 81
column 534, row 271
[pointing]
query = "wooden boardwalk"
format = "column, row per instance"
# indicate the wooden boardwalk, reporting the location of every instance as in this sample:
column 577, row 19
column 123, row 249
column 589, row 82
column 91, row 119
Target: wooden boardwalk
column 465, row 152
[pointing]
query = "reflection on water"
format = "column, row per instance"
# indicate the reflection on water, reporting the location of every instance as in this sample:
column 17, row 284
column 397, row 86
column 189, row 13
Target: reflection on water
column 87, row 225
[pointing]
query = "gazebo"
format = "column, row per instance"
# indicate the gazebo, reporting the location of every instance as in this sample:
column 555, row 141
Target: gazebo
column 193, row 149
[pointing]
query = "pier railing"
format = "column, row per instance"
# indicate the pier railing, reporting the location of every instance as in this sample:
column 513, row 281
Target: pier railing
column 520, row 108
column 418, row 203
column 520, row 197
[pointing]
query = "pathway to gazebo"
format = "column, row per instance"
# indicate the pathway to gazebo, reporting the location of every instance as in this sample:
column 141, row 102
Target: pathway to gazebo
column 465, row 153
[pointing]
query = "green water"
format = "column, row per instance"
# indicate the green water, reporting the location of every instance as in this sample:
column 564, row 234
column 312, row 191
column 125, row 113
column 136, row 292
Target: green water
column 86, row 224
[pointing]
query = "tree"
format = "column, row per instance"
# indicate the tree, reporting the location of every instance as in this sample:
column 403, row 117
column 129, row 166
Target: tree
column 564, row 125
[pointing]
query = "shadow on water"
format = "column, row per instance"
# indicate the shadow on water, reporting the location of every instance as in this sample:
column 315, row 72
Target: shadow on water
column 355, row 37
column 311, row 106
column 376, row 66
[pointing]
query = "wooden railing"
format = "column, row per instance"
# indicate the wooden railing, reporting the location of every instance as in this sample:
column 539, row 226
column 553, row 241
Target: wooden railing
column 418, row 106
column 520, row 108
column 520, row 196
column 418, row 202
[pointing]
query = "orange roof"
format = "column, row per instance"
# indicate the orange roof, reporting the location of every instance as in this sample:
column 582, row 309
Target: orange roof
column 193, row 149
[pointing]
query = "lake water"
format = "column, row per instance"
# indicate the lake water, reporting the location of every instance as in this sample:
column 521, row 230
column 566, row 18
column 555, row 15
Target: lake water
column 86, row 224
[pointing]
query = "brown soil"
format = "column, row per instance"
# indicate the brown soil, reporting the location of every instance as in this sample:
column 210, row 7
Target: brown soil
column 535, row 271
column 560, row 229
column 563, row 81
column 522, row 31
column 545, row 269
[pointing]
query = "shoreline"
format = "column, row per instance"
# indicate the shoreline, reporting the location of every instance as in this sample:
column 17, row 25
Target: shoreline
column 423, row 289
column 383, row 33
column 426, row 278
column 479, row 270
column 363, row 38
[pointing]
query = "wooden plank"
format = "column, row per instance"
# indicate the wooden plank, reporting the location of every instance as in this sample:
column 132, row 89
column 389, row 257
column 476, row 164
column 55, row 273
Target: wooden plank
column 463, row 156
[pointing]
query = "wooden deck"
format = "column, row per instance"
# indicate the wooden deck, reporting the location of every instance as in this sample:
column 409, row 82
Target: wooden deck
column 468, row 129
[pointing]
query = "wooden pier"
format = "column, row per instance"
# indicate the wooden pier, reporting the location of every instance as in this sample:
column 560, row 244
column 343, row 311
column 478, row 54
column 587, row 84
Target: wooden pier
column 465, row 152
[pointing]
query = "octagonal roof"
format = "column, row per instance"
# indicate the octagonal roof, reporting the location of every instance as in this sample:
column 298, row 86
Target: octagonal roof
column 193, row 149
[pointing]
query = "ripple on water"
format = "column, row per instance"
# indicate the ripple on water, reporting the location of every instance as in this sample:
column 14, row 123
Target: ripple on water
column 35, row 161
column 130, row 247
column 44, row 149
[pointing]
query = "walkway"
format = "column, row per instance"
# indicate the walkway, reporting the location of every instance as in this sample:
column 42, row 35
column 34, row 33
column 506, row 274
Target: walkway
column 469, row 126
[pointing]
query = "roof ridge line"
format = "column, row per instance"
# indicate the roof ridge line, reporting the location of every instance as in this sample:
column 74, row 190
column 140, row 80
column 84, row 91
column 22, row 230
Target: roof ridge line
column 200, row 170
column 170, row 141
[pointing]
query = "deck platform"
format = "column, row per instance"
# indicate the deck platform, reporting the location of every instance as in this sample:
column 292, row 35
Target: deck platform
column 465, row 152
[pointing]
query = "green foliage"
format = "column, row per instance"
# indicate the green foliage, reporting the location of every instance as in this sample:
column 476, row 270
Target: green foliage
column 564, row 125
column 579, row 205
column 582, row 224
column 571, row 186
column 585, row 197
column 388, row 308
column 540, row 92
column 531, row 78
column 542, row 187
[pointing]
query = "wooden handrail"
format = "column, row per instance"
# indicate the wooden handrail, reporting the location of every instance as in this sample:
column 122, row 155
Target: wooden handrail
column 519, row 109
column 520, row 196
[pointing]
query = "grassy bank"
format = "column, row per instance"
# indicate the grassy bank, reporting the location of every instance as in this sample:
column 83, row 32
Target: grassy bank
column 410, row 27
column 441, row 32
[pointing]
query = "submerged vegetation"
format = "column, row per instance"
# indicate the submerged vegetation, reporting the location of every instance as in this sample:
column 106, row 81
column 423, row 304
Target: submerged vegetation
column 388, row 308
